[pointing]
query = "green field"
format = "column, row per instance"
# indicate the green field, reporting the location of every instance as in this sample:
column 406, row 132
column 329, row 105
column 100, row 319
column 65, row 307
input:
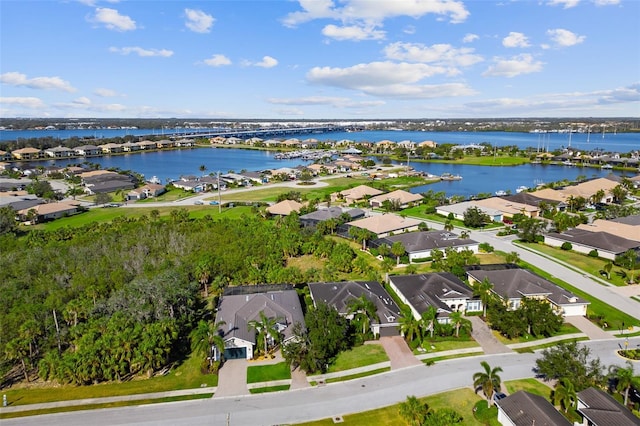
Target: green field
column 267, row 373
column 359, row 356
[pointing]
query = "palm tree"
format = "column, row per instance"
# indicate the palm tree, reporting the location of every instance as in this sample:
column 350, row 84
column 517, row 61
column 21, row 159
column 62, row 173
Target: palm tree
column 398, row 250
column 265, row 327
column 448, row 225
column 624, row 376
column 206, row 338
column 202, row 168
column 456, row 319
column 409, row 326
column 413, row 411
column 429, row 319
column 487, row 380
column 464, row 234
column 483, row 290
column 564, row 394
column 364, row 309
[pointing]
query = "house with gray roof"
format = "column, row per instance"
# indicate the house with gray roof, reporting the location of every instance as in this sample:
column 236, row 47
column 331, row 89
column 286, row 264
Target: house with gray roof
column 419, row 245
column 526, row 409
column 583, row 241
column 442, row 290
column 311, row 220
column 511, row 283
column 339, row 294
column 241, row 305
column 598, row 408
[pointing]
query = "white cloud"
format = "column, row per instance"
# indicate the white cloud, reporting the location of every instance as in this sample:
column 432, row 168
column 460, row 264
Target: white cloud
column 198, row 21
column 353, row 32
column 105, row 93
column 112, row 19
column 517, row 65
column 145, row 53
column 387, row 79
column 217, row 61
column 565, row 38
column 20, row 80
column 267, row 62
column 515, row 39
column 620, row 95
column 443, row 54
column 24, row 102
column 337, row 102
column 83, row 100
column 567, row 4
column 375, row 11
column 409, row 29
column 606, row 2
column 469, row 38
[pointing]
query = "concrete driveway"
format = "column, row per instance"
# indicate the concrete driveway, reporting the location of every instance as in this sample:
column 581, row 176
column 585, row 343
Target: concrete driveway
column 592, row 331
column 232, row 378
column 398, row 352
column 485, row 338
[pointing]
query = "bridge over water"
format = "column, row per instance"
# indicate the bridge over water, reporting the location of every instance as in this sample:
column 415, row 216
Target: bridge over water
column 262, row 133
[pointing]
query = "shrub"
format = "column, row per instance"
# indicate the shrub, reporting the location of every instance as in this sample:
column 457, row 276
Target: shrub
column 486, row 247
column 593, row 253
column 566, row 246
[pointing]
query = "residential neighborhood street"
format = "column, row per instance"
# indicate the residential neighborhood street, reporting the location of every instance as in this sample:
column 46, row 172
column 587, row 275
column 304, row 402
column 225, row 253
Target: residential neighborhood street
column 318, row 402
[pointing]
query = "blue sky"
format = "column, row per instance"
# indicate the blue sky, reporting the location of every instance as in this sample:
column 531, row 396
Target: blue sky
column 320, row 59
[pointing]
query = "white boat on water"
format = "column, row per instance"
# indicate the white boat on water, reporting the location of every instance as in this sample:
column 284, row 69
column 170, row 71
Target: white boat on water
column 501, row 193
column 155, row 179
column 522, row 188
column 606, row 166
column 568, row 163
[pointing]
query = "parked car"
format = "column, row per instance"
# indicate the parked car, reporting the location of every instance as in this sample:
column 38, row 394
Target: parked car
column 498, row 396
column 198, row 202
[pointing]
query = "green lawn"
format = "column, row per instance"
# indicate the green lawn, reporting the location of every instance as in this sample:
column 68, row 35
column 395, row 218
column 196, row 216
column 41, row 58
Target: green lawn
column 267, row 373
column 446, row 345
column 582, row 262
column 461, row 400
column 565, row 329
column 530, row 385
column 270, row 389
column 185, row 376
column 359, row 357
column 358, row 375
column 108, row 214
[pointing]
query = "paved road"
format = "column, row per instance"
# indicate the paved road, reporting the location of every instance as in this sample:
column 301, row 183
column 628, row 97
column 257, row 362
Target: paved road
column 318, row 402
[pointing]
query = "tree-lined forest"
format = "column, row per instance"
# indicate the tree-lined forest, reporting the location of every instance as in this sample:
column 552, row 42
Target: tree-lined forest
column 111, row 300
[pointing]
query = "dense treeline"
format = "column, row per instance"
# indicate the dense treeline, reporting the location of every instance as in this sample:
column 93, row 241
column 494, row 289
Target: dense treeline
column 112, row 300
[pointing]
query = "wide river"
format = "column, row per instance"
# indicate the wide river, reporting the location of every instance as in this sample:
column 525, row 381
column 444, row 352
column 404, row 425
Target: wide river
column 171, row 165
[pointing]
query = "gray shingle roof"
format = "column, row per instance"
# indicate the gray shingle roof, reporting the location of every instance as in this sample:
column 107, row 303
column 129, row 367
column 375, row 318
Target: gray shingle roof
column 602, row 410
column 597, row 240
column 237, row 310
column 339, row 294
column 433, row 289
column 426, row 240
column 526, row 409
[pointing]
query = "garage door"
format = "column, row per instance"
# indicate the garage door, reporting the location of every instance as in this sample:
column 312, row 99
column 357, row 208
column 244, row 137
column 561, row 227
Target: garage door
column 235, row 353
column 389, row 331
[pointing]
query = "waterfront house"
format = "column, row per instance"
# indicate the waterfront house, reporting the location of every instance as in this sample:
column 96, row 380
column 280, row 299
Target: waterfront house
column 253, row 141
column 442, row 290
column 130, row 147
column 508, row 208
column 87, row 150
column 185, row 143
column 241, row 305
column 165, row 143
column 5, row 156
column 59, row 152
column 217, row 140
column 356, row 194
column 146, row 145
column 419, row 245
column 27, row 153
column 191, row 185
column 385, row 224
column 309, row 143
column 110, row 148
column 628, row 227
column 427, row 144
column 598, row 408
column 284, row 208
column 511, row 283
column 407, row 144
column 608, row 246
column 403, row 199
column 459, row 209
column 527, row 409
column 340, row 295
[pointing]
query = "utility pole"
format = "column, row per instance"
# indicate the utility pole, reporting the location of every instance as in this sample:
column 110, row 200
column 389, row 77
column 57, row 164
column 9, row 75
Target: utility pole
column 219, row 196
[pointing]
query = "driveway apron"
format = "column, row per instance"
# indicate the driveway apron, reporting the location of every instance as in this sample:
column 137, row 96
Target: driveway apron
column 232, row 378
column 398, row 352
column 485, row 338
column 592, row 331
